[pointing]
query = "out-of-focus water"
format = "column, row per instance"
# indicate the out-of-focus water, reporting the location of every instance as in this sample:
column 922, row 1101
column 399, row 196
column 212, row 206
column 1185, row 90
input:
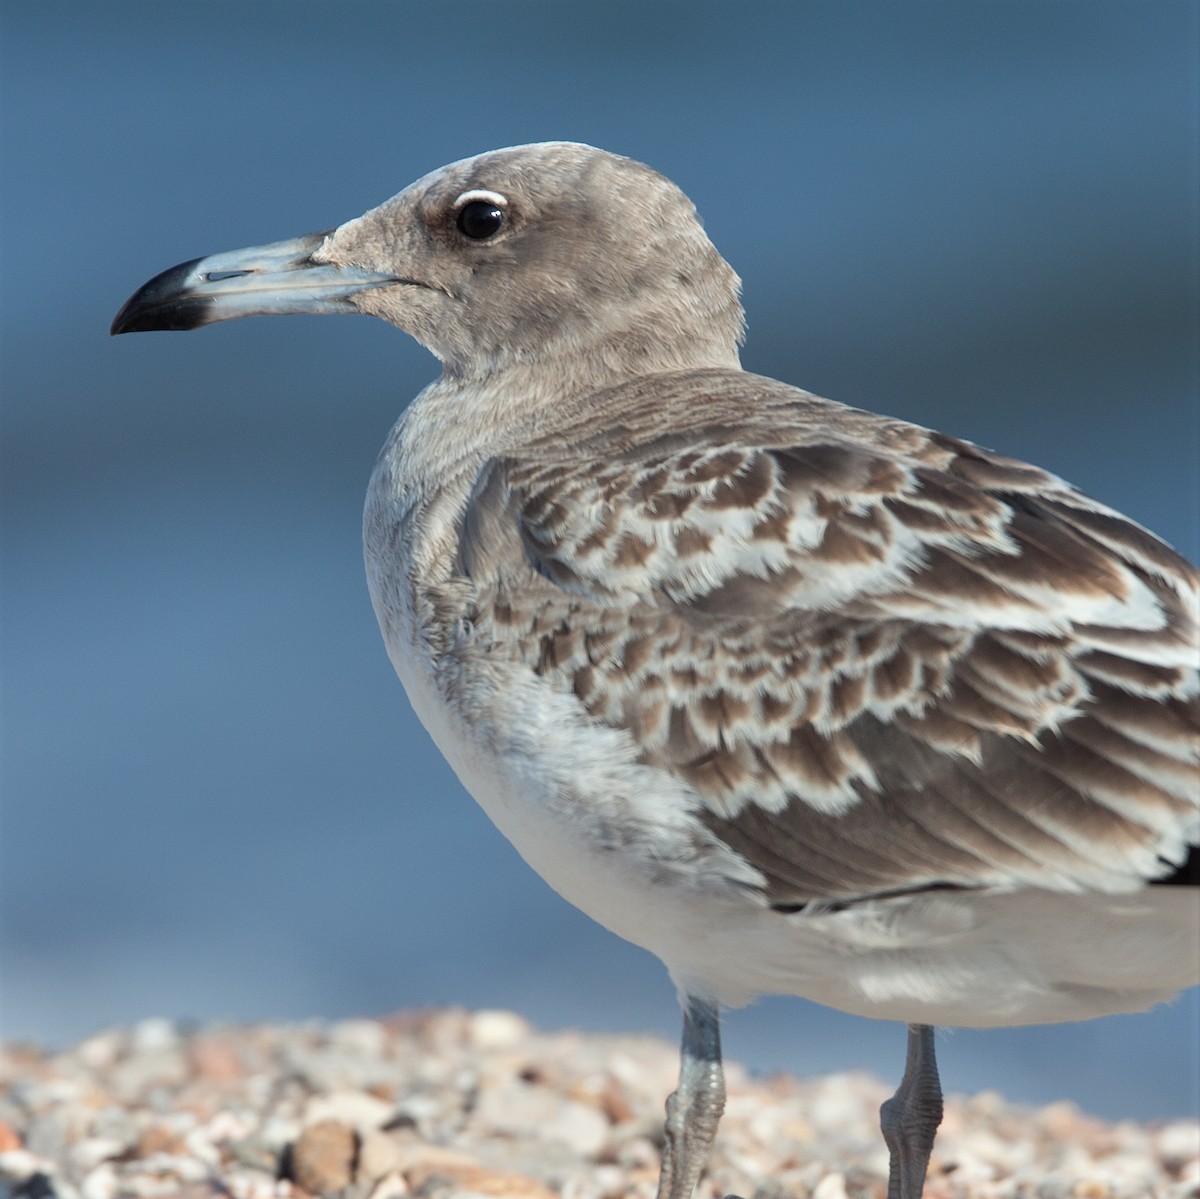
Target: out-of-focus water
column 216, row 802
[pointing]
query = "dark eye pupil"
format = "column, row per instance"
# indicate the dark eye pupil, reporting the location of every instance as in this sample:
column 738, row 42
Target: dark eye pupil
column 480, row 219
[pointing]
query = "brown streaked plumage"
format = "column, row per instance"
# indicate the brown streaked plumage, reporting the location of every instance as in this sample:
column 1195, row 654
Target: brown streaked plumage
column 855, row 607
column 801, row 698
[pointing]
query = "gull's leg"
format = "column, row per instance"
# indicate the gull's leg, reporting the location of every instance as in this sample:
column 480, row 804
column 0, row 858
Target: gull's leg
column 694, row 1110
column 910, row 1118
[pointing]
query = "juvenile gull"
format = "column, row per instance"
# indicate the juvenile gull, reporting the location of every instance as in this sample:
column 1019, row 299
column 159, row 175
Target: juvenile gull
column 802, row 699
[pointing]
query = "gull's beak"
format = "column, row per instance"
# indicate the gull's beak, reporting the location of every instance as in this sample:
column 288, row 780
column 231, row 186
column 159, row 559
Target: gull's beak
column 273, row 280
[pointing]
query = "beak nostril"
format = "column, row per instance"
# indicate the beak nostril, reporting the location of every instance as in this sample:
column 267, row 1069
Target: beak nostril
column 217, row 276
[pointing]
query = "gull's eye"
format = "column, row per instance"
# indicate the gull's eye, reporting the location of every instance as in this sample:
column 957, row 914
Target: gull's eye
column 480, row 219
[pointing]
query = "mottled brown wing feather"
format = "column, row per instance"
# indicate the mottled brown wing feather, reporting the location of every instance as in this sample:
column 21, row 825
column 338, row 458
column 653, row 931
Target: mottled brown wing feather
column 885, row 659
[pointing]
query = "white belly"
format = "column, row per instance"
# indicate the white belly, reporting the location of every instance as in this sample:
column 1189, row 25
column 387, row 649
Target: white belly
column 607, row 834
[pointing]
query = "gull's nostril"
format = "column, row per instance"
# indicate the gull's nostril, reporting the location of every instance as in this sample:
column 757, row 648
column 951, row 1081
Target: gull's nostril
column 217, row 276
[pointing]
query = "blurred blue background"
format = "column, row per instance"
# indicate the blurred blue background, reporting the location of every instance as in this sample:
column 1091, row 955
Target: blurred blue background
column 216, row 802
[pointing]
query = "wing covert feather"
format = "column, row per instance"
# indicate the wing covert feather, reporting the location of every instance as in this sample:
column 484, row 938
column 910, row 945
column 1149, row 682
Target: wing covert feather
column 808, row 611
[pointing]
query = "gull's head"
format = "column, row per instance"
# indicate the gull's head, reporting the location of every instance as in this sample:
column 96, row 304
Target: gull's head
column 552, row 250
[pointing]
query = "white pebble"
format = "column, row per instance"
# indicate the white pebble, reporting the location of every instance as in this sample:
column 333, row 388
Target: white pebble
column 583, row 1128
column 100, row 1183
column 224, row 1126
column 244, row 1185
column 390, row 1186
column 154, row 1036
column 832, row 1186
column 1180, row 1140
column 99, row 1052
column 20, row 1164
column 365, row 1037
column 379, row 1155
column 88, row 1153
column 497, row 1029
column 278, row 1131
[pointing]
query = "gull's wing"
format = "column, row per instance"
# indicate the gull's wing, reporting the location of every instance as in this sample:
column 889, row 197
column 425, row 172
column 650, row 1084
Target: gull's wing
column 885, row 659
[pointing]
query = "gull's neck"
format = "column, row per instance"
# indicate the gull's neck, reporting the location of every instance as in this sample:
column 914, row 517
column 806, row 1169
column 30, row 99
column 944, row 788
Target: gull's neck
column 426, row 471
column 515, row 396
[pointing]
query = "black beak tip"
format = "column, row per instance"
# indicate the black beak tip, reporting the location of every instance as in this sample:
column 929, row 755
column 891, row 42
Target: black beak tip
column 129, row 320
column 181, row 314
column 165, row 302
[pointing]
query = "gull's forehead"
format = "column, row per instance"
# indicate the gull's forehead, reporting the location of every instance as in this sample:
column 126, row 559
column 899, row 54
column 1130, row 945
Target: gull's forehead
column 538, row 172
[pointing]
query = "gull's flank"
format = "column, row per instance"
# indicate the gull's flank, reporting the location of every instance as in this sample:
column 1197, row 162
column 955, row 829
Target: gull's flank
column 802, row 699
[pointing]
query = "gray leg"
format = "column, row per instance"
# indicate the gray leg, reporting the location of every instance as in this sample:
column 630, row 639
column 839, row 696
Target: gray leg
column 911, row 1117
column 695, row 1108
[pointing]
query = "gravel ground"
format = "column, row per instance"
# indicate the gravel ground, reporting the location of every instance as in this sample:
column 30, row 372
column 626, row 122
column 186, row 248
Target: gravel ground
column 446, row 1103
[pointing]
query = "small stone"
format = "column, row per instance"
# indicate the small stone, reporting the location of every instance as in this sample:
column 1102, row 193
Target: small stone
column 21, row 1165
column 390, row 1186
column 497, row 1030
column 832, row 1186
column 215, row 1059
column 226, row 1126
column 379, row 1154
column 255, row 1153
column 355, row 1108
column 614, row 1104
column 89, row 1152
column 367, row 1038
column 100, row 1183
column 583, row 1128
column 155, row 1036
column 323, row 1156
column 278, row 1131
column 422, row 1159
column 1180, row 1141
column 637, row 1153
column 99, row 1052
column 609, row 1180
column 527, row 1110
column 157, row 1139
column 449, row 1179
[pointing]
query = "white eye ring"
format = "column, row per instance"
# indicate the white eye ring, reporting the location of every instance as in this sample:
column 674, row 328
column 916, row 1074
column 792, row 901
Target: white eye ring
column 480, row 193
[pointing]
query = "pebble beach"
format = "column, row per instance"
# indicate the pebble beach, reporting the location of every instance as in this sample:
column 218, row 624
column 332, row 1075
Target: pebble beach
column 454, row 1103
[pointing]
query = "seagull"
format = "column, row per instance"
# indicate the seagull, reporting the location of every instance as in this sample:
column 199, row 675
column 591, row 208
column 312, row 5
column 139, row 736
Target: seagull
column 803, row 699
